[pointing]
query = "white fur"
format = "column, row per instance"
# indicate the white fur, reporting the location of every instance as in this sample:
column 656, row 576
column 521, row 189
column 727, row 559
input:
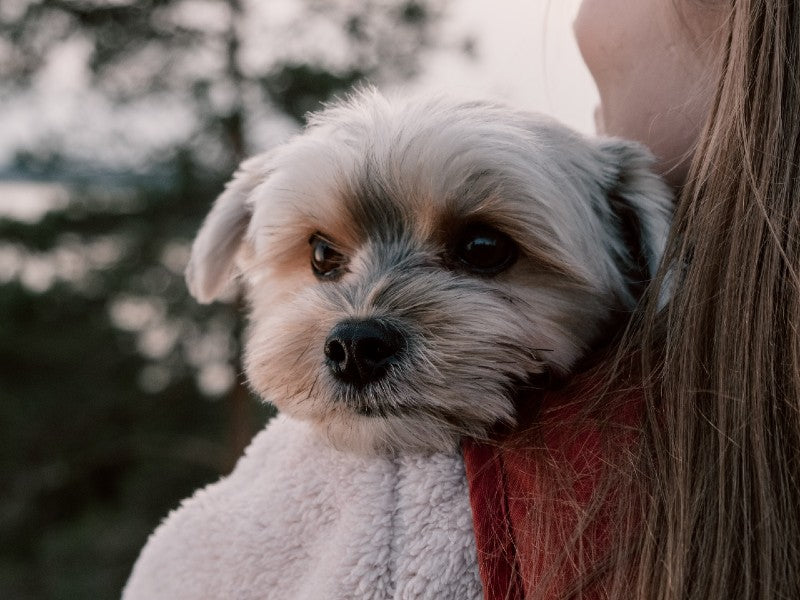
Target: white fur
column 430, row 164
column 218, row 242
column 298, row 520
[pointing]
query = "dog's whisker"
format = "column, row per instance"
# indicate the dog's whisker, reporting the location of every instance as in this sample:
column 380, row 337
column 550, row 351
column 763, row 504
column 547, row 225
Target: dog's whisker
column 313, row 387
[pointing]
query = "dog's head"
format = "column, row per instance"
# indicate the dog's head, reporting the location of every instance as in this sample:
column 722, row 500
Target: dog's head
column 409, row 264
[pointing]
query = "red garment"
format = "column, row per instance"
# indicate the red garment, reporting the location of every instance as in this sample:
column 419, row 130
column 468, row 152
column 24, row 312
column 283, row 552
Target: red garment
column 507, row 480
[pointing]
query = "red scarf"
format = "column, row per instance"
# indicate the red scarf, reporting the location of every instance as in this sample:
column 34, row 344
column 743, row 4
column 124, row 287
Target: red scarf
column 505, row 482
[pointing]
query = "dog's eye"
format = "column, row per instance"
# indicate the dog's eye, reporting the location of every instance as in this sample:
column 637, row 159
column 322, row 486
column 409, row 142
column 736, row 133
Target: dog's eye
column 484, row 250
column 326, row 262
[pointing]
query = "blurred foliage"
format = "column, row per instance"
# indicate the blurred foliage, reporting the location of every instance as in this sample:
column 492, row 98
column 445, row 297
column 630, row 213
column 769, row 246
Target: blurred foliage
column 228, row 64
column 119, row 395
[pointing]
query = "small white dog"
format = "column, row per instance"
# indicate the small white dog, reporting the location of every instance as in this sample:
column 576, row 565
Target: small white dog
column 410, row 265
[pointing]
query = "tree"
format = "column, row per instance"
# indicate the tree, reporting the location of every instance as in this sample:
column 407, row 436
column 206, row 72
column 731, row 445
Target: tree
column 118, row 394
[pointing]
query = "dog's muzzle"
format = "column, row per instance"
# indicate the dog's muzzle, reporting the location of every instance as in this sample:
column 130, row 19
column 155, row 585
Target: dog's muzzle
column 359, row 352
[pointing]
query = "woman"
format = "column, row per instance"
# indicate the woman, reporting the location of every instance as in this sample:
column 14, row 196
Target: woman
column 672, row 470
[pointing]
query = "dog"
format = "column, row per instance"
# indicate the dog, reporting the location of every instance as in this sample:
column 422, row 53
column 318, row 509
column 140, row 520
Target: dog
column 409, row 264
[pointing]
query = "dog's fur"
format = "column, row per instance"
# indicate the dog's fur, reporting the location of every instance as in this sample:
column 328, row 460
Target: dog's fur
column 392, row 184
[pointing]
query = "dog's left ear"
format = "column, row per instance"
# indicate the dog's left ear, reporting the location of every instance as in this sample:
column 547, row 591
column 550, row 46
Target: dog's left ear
column 639, row 207
column 220, row 237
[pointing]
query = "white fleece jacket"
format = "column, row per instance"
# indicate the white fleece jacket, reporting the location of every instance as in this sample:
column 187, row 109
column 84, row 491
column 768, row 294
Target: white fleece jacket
column 297, row 519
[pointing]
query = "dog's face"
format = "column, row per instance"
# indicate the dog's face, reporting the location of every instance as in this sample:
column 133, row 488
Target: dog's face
column 410, row 265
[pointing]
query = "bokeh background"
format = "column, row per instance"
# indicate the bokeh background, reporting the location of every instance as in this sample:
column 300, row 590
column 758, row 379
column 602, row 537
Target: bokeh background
column 120, row 121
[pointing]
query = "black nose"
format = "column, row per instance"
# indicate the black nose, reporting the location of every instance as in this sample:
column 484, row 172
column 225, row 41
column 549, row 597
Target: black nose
column 359, row 352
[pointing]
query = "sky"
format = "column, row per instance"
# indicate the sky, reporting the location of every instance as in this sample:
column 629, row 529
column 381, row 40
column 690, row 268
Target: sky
column 527, row 56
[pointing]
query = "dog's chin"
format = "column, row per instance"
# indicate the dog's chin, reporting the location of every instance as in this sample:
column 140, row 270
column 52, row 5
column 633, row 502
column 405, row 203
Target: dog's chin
column 369, row 429
column 387, row 435
column 363, row 425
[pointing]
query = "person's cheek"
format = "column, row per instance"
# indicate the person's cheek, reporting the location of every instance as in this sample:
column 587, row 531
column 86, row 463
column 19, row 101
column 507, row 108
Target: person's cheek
column 605, row 44
column 599, row 122
column 587, row 28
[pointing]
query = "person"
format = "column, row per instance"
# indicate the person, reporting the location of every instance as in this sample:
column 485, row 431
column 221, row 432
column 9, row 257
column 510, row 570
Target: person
column 671, row 469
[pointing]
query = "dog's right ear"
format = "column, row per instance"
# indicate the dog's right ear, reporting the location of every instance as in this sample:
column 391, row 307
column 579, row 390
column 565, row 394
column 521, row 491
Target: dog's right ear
column 637, row 206
column 220, row 237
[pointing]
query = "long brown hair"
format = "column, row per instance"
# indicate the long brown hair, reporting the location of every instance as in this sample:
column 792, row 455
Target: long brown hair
column 720, row 448
column 713, row 480
column 721, row 438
